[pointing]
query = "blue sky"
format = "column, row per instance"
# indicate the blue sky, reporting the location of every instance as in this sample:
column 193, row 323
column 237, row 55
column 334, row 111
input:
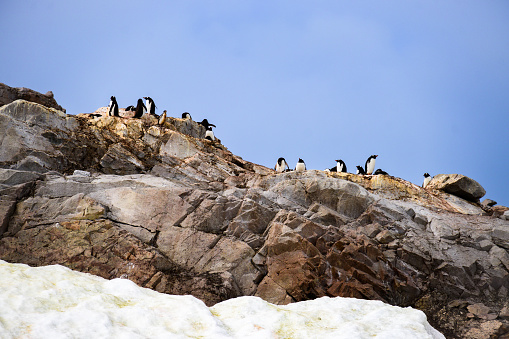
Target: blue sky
column 423, row 84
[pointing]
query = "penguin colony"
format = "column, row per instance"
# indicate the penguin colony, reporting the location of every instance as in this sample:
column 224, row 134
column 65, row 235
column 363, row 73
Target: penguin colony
column 281, row 164
column 368, row 169
column 150, row 107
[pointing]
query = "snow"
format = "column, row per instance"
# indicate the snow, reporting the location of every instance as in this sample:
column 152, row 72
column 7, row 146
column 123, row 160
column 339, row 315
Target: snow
column 56, row 302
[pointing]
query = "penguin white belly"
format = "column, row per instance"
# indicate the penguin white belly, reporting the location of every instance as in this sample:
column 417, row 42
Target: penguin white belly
column 300, row 167
column 339, row 167
column 370, row 167
column 426, row 181
column 280, row 168
column 209, row 134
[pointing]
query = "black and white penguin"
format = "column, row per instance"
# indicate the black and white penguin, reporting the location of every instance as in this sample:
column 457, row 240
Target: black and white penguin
column 140, row 109
column 369, row 167
column 209, row 135
column 205, row 123
column 151, row 106
column 427, row 179
column 281, row 165
column 379, row 171
column 130, row 108
column 360, row 170
column 301, row 166
column 340, row 166
column 113, row 111
column 162, row 118
column 186, row 116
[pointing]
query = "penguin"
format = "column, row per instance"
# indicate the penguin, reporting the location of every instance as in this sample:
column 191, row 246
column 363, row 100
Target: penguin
column 187, row 116
column 113, row 111
column 340, row 166
column 209, row 135
column 205, row 123
column 151, row 106
column 281, row 165
column 162, row 118
column 360, row 170
column 369, row 167
column 427, row 179
column 379, row 171
column 140, row 107
column 301, row 166
column 130, row 108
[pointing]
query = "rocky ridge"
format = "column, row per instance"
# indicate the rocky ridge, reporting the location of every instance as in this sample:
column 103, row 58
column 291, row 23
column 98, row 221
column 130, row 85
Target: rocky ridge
column 161, row 206
column 9, row 94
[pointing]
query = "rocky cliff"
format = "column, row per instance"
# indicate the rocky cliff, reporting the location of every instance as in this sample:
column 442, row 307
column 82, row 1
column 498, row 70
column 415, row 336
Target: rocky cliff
column 169, row 210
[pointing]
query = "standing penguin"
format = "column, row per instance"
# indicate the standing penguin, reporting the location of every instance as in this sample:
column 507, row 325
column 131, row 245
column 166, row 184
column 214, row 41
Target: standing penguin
column 140, row 107
column 209, row 135
column 360, row 170
column 369, row 167
column 151, row 106
column 113, row 111
column 281, row 165
column 162, row 118
column 205, row 123
column 186, row 116
column 427, row 179
column 301, row 166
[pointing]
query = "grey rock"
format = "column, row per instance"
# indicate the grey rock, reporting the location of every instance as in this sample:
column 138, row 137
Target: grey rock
column 458, row 185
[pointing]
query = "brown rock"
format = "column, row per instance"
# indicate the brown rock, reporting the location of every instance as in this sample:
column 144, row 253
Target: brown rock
column 10, row 94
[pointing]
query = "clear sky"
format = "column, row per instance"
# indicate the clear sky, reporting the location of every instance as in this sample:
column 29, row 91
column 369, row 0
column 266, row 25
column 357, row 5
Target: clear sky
column 423, row 84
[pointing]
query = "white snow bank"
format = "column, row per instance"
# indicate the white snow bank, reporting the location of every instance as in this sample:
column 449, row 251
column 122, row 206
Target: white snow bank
column 56, row 302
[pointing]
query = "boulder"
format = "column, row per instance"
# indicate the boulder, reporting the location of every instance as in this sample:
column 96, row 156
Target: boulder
column 459, row 185
column 9, row 94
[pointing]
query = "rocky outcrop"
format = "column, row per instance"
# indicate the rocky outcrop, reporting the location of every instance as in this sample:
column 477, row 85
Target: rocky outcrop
column 9, row 94
column 458, row 185
column 171, row 211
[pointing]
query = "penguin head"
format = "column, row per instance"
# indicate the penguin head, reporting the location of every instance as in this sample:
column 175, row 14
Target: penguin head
column 373, row 156
column 113, row 98
column 164, row 112
column 300, row 160
column 140, row 101
column 426, row 175
column 280, row 161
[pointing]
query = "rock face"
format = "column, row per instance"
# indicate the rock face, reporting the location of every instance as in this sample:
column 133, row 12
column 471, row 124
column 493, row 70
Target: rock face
column 9, row 94
column 459, row 185
column 183, row 215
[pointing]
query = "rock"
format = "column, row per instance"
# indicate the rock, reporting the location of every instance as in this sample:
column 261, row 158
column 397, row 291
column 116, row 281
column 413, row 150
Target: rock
column 504, row 313
column 488, row 203
column 122, row 197
column 385, row 237
column 458, row 185
column 10, row 94
column 489, row 329
column 505, row 215
column 479, row 310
